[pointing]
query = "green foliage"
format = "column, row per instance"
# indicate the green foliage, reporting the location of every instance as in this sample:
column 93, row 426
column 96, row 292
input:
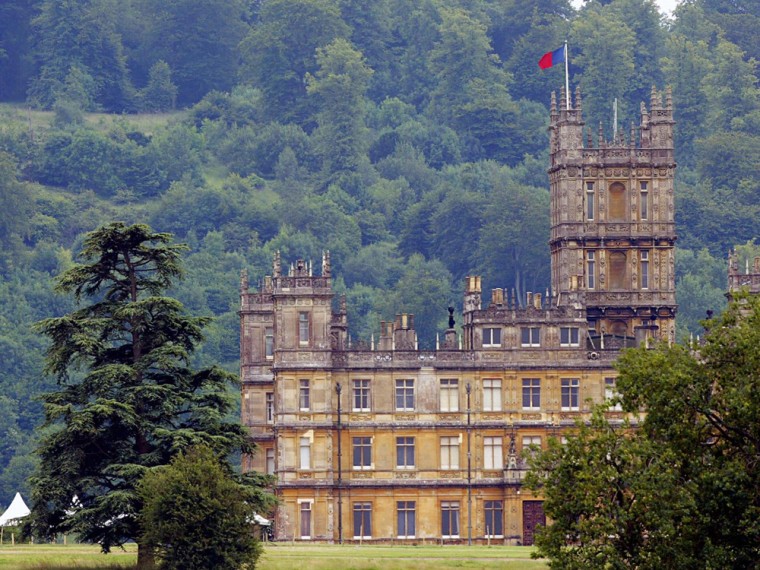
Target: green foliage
column 198, row 40
column 196, row 516
column 340, row 82
column 127, row 399
column 682, row 490
column 80, row 35
column 281, row 49
column 160, row 93
column 424, row 133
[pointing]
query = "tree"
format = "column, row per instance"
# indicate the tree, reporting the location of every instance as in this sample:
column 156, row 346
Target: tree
column 340, row 84
column 80, row 34
column 606, row 59
column 196, row 516
column 198, row 40
column 682, row 490
column 281, row 49
column 160, row 93
column 127, row 399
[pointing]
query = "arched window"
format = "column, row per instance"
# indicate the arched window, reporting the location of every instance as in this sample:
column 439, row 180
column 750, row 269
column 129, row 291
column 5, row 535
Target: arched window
column 617, row 203
column 617, row 270
column 619, row 328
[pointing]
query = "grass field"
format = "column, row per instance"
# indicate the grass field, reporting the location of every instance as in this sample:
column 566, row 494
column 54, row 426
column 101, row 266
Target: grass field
column 290, row 557
column 144, row 122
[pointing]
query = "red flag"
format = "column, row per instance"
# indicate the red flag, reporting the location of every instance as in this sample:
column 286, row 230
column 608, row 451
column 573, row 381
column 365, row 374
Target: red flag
column 551, row 58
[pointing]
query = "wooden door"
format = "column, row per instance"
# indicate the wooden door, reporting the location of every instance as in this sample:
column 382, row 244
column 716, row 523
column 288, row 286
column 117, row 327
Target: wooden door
column 533, row 516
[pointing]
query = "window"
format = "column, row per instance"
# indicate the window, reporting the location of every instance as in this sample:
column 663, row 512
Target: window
column 449, row 395
column 450, row 452
column 305, row 453
column 494, row 511
column 361, row 396
column 531, row 393
column 270, row 407
column 530, row 443
column 531, row 336
column 491, row 337
column 568, row 336
column 645, row 270
column 303, row 329
column 491, row 395
column 610, row 392
column 270, row 461
column 404, row 453
column 362, row 453
column 616, row 211
column 406, row 519
column 450, row 519
column 362, row 520
column 618, row 270
column 404, row 395
column 589, row 200
column 305, row 520
column 590, row 269
column 570, row 389
column 303, row 395
column 644, row 201
column 492, row 453
column 269, row 342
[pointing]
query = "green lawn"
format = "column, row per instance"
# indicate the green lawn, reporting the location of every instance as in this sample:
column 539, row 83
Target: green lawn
column 58, row 556
column 290, row 557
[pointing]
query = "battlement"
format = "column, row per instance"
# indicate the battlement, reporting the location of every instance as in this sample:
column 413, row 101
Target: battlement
column 743, row 278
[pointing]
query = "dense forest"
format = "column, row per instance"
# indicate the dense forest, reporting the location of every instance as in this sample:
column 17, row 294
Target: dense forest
column 406, row 137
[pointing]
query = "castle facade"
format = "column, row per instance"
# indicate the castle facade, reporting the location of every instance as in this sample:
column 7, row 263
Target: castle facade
column 385, row 442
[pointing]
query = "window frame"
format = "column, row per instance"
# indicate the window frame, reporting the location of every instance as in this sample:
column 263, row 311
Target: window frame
column 493, row 452
column 406, row 511
column 450, row 519
column 590, row 202
column 405, row 449
column 361, row 453
column 364, row 510
column 570, row 392
column 490, row 509
column 304, row 328
column 269, row 343
column 491, row 342
column 533, row 335
column 362, row 394
column 492, row 400
column 304, row 395
column 269, row 454
column 591, row 269
column 569, row 333
column 269, row 407
column 531, row 387
column 307, row 511
column 527, row 442
column 449, row 452
column 644, row 206
column 644, row 272
column 304, row 454
column 610, row 392
column 405, row 390
column 448, row 396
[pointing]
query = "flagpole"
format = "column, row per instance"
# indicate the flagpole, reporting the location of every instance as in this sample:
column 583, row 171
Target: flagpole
column 567, row 78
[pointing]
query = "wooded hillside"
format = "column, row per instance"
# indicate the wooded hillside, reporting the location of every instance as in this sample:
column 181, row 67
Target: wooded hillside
column 407, row 137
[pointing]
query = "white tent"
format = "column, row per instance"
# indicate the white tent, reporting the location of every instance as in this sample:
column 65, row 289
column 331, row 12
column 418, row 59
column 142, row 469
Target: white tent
column 18, row 510
column 261, row 521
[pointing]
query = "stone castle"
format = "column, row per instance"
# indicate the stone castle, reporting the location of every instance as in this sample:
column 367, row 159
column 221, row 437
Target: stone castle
column 390, row 443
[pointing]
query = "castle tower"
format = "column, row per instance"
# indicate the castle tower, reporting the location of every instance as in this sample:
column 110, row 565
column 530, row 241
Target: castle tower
column 612, row 222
